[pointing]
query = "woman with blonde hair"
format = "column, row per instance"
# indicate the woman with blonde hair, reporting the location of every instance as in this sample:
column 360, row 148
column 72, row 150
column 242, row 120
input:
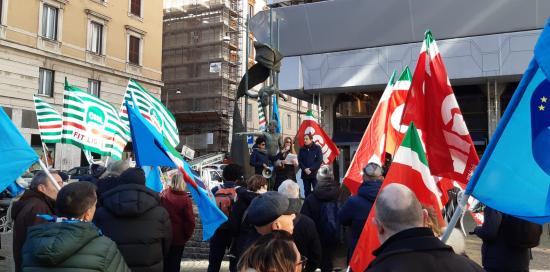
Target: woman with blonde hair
column 273, row 252
column 178, row 204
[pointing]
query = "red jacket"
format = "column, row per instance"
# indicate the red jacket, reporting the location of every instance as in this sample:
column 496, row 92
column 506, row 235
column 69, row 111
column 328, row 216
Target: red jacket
column 179, row 207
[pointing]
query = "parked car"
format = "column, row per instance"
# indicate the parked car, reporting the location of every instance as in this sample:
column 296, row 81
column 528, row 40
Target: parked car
column 218, row 167
column 78, row 172
column 211, row 177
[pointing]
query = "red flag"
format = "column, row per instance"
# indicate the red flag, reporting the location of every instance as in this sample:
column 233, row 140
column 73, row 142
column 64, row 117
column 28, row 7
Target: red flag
column 396, row 104
column 372, row 145
column 320, row 137
column 433, row 108
column 411, row 169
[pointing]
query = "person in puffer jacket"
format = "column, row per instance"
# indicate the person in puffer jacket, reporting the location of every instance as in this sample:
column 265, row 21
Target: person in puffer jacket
column 73, row 243
column 131, row 215
column 356, row 209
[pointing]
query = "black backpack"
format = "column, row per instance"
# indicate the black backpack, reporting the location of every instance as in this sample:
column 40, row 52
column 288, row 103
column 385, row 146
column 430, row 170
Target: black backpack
column 329, row 231
column 519, row 232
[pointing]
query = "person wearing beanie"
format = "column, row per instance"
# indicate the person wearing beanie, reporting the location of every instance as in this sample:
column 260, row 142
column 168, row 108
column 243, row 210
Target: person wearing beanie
column 305, row 233
column 356, row 209
column 317, row 205
column 132, row 216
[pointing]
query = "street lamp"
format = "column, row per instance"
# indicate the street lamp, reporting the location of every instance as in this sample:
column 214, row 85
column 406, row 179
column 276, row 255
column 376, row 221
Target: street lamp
column 167, row 91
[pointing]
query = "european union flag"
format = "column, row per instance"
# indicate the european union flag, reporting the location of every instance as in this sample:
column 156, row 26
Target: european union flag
column 514, row 174
column 16, row 155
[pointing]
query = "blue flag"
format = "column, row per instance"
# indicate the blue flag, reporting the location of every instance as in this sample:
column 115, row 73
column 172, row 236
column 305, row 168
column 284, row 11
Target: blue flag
column 152, row 149
column 153, row 181
column 513, row 175
column 16, row 155
column 275, row 116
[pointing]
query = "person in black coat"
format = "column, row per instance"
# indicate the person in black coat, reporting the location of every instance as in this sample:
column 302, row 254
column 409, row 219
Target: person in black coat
column 407, row 245
column 284, row 171
column 132, row 216
column 259, row 158
column 356, row 209
column 327, row 190
column 305, row 232
column 496, row 253
column 310, row 158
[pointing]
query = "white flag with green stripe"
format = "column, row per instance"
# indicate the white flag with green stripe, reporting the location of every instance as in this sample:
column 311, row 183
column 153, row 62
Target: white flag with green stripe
column 261, row 116
column 92, row 124
column 152, row 110
column 49, row 120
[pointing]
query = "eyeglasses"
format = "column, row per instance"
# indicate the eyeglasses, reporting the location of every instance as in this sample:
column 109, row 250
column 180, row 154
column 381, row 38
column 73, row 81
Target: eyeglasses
column 302, row 262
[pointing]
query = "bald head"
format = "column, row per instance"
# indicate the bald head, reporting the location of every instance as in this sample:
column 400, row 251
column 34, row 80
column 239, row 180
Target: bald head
column 397, row 209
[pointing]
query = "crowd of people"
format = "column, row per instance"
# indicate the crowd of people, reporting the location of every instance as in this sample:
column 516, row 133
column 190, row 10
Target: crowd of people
column 113, row 222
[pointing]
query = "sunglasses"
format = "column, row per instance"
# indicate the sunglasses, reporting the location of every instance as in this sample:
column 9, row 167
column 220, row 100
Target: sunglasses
column 302, row 262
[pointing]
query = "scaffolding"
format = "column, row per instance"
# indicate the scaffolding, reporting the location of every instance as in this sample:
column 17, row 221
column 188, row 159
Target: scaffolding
column 201, row 59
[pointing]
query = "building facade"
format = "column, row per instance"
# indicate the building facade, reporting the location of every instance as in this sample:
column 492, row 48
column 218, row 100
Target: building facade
column 204, row 59
column 97, row 45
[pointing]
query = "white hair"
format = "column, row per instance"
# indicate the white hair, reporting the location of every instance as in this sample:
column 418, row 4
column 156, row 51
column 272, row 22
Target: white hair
column 290, row 189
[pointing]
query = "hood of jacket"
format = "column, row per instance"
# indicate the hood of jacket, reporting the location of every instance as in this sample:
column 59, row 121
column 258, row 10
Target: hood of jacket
column 27, row 196
column 369, row 190
column 325, row 191
column 51, row 244
column 129, row 200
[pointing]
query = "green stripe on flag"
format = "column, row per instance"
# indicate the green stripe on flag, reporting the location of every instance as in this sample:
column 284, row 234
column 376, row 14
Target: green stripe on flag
column 41, row 120
column 412, row 141
column 78, row 117
column 50, row 133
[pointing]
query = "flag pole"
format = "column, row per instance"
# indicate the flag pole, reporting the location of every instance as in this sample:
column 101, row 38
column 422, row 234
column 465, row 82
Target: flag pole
column 456, row 216
column 45, row 150
column 52, row 179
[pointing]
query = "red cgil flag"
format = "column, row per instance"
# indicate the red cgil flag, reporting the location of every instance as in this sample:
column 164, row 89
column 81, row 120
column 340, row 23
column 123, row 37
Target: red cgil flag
column 432, row 105
column 320, row 137
column 372, row 145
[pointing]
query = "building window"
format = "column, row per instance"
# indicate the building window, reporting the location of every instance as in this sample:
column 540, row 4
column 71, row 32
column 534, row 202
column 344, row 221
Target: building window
column 133, row 50
column 288, row 121
column 94, row 87
column 96, row 38
column 248, row 112
column 135, row 7
column 49, row 22
column 45, row 82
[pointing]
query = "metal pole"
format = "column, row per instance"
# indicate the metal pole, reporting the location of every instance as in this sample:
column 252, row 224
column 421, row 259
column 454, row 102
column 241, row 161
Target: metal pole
column 45, row 150
column 456, row 216
column 247, row 55
column 269, row 102
column 319, row 108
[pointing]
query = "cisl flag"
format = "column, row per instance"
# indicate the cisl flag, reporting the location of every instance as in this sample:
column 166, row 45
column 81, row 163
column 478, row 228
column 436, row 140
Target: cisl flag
column 372, row 145
column 411, row 169
column 310, row 126
column 432, row 106
column 396, row 103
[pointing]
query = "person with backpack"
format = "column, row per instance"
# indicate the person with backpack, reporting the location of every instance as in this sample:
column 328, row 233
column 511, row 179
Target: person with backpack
column 506, row 241
column 225, row 196
column 255, row 186
column 356, row 209
column 322, row 206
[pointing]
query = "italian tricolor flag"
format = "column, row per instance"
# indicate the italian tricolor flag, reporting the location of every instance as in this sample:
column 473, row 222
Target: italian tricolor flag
column 411, row 169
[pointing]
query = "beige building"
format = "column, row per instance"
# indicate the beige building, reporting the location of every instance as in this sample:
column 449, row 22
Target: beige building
column 96, row 44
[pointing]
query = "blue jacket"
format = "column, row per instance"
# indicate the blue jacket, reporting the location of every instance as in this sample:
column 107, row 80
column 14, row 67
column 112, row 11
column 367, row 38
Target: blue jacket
column 258, row 159
column 310, row 157
column 355, row 211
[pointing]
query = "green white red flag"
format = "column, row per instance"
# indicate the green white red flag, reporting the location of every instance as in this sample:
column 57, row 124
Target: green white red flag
column 411, row 169
column 261, row 116
column 50, row 122
column 432, row 106
column 310, row 126
column 372, row 145
column 92, row 124
column 152, row 110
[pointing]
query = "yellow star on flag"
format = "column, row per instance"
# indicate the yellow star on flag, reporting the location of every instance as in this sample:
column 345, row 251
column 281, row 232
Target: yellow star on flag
column 544, row 99
column 541, row 108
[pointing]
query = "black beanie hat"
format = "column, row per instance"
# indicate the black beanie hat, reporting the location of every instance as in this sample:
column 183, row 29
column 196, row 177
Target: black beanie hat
column 132, row 176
